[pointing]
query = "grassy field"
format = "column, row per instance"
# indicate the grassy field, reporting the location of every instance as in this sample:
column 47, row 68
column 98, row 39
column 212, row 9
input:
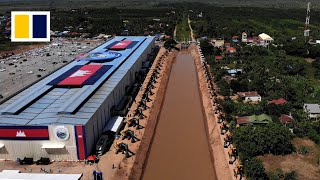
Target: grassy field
column 304, row 162
column 183, row 30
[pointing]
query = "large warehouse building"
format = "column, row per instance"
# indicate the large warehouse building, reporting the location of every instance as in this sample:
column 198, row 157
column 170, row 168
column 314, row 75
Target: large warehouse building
column 62, row 116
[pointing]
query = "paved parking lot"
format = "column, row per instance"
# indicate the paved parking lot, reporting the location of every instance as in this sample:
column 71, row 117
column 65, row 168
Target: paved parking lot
column 20, row 70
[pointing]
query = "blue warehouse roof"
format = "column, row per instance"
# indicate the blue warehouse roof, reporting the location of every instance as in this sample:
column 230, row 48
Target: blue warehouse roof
column 61, row 100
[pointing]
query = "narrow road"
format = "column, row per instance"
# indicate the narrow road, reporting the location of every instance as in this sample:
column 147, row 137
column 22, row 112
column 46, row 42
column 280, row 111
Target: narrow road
column 191, row 30
column 180, row 147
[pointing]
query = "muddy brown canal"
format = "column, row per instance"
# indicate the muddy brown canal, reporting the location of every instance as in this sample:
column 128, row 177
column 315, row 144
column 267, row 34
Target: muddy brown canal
column 180, row 147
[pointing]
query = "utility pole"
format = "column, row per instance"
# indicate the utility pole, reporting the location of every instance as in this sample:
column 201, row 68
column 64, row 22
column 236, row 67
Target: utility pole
column 307, row 23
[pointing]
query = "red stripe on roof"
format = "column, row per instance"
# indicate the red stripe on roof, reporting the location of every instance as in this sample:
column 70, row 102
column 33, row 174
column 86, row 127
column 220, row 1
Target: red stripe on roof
column 121, row 45
column 81, row 75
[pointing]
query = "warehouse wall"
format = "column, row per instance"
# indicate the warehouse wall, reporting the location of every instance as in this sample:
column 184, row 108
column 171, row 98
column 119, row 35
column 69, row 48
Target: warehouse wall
column 127, row 78
column 32, row 148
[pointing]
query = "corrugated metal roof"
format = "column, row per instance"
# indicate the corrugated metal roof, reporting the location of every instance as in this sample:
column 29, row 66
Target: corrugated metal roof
column 44, row 111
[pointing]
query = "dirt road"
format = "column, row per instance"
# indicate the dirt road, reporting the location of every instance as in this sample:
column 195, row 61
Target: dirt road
column 180, row 147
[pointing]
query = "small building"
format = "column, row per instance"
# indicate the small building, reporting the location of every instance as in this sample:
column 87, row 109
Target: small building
column 286, row 120
column 254, row 120
column 244, row 37
column 278, row 101
column 217, row 58
column 235, row 39
column 250, row 96
column 265, row 39
column 231, row 50
column 234, row 72
column 218, row 43
column 313, row 110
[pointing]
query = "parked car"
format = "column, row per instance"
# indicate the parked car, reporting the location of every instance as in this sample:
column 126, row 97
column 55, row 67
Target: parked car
column 43, row 161
column 26, row 160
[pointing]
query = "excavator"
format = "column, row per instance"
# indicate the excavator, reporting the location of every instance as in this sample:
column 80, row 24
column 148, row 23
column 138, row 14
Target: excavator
column 232, row 153
column 221, row 118
column 143, row 104
column 128, row 134
column 146, row 97
column 238, row 170
column 134, row 122
column 123, row 147
column 139, row 113
column 223, row 128
column 227, row 139
column 149, row 91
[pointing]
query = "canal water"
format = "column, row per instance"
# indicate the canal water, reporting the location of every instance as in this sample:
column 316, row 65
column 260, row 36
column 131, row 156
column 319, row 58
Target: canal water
column 180, row 147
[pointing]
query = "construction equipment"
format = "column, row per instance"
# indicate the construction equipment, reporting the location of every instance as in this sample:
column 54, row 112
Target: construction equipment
column 123, row 147
column 238, row 170
column 139, row 113
column 134, row 122
column 221, row 118
column 232, row 153
column 128, row 134
column 143, row 104
column 151, row 85
column 227, row 139
column 149, row 91
column 146, row 97
column 43, row 161
column 223, row 128
column 25, row 160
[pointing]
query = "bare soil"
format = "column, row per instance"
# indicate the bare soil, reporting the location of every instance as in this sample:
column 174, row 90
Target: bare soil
column 64, row 167
column 305, row 165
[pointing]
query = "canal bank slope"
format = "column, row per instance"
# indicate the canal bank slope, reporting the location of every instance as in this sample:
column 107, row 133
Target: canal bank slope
column 222, row 168
column 180, row 146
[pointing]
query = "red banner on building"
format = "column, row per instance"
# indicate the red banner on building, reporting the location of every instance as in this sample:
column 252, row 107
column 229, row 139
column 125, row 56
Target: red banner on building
column 24, row 132
column 81, row 75
column 122, row 45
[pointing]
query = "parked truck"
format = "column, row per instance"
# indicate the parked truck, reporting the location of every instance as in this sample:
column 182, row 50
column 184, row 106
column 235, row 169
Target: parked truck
column 111, row 130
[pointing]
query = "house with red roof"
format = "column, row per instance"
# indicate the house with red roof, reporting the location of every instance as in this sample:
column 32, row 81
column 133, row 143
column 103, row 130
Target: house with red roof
column 286, row 119
column 231, row 50
column 218, row 58
column 278, row 101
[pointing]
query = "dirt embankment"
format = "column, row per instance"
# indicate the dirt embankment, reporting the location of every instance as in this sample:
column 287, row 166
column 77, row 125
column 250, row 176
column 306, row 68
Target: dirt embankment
column 223, row 170
column 142, row 155
column 132, row 168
